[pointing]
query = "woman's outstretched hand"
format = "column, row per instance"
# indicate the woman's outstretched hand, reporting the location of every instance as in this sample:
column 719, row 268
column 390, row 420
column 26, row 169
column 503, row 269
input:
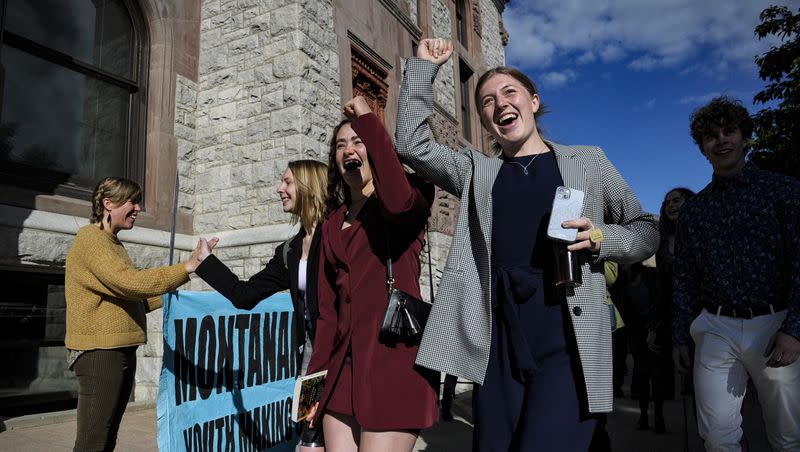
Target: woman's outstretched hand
column 201, row 251
column 356, row 107
column 435, row 50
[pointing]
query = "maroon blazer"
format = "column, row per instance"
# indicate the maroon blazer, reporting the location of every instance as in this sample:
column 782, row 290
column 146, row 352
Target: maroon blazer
column 391, row 393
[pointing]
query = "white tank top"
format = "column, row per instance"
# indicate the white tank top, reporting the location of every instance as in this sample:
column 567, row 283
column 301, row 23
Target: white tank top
column 302, row 283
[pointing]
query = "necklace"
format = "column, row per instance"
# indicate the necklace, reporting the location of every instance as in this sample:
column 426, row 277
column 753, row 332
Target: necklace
column 525, row 166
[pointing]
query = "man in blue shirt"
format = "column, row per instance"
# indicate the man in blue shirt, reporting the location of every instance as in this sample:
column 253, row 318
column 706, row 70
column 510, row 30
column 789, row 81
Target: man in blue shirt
column 737, row 286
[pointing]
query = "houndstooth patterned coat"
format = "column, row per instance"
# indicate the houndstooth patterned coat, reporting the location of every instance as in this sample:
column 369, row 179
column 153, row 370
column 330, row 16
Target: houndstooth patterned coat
column 458, row 333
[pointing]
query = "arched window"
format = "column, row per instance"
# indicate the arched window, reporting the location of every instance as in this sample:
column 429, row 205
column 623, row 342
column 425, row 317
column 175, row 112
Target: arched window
column 73, row 94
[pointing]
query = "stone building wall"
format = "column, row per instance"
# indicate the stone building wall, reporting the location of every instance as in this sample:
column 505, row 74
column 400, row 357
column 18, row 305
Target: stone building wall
column 491, row 39
column 444, row 88
column 268, row 93
column 250, row 86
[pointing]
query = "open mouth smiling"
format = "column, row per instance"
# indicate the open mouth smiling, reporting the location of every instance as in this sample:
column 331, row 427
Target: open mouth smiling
column 507, row 119
column 352, row 164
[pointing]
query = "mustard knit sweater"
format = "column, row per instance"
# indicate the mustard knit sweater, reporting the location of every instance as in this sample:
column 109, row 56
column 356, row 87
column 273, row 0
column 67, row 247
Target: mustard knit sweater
column 107, row 297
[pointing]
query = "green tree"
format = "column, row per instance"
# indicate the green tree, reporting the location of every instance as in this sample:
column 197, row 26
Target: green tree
column 777, row 128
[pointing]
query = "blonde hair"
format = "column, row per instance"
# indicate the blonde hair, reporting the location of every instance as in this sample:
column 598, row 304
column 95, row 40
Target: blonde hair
column 118, row 190
column 311, row 179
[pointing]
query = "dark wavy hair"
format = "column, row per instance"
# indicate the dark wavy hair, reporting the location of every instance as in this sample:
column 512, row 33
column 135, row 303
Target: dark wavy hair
column 338, row 192
column 722, row 111
column 666, row 226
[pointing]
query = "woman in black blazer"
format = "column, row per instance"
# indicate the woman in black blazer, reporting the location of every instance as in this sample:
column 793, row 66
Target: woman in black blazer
column 295, row 264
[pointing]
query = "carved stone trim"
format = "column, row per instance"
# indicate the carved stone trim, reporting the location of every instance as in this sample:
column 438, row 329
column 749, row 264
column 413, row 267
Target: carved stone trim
column 501, row 5
column 367, row 52
column 439, row 109
column 503, row 32
column 369, row 81
column 477, row 24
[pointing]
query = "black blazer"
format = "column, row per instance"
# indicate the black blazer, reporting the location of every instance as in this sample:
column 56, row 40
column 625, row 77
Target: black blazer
column 276, row 276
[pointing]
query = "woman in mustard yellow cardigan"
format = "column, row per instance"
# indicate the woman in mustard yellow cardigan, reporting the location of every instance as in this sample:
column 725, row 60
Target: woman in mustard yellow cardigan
column 107, row 299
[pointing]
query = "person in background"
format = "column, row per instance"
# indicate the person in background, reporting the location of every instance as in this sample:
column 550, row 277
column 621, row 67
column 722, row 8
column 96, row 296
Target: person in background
column 652, row 369
column 498, row 318
column 619, row 335
column 295, row 265
column 375, row 398
column 659, row 327
column 107, row 299
column 737, row 263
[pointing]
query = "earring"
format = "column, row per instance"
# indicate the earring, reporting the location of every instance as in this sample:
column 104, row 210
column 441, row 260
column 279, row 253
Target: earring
column 108, row 219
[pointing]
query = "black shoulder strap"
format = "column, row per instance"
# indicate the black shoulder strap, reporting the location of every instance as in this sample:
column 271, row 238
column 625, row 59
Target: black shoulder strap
column 426, row 246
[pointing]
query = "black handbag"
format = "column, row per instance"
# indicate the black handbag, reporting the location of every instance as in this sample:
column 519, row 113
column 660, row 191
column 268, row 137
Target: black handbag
column 406, row 315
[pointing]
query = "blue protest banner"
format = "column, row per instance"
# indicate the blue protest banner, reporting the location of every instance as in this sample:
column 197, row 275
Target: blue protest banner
column 228, row 375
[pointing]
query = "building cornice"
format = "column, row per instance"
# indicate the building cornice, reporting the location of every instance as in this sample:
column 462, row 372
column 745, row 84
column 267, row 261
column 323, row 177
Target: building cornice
column 501, row 5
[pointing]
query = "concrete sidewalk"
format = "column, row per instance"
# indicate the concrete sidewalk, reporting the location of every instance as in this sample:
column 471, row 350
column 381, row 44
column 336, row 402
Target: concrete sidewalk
column 55, row 432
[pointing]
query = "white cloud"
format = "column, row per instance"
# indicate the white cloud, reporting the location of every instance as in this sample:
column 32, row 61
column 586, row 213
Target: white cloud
column 643, row 35
column 557, row 79
column 611, row 53
column 644, row 63
column 587, row 57
column 700, row 99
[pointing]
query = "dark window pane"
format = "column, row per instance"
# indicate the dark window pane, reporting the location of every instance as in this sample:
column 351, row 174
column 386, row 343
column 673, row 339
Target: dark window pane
column 33, row 369
column 461, row 23
column 96, row 32
column 63, row 121
column 465, row 73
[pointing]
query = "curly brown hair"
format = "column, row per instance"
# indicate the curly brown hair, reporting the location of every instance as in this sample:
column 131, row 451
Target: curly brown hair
column 721, row 112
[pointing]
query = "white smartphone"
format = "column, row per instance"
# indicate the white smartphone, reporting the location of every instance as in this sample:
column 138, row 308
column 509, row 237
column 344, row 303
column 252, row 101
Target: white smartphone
column 567, row 205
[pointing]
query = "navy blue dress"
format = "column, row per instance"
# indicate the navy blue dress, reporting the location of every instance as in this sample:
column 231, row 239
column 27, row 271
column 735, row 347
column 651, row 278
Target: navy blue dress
column 529, row 400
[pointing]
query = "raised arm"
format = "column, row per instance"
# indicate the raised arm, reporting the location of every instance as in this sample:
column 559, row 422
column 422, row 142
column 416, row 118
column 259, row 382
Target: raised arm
column 437, row 163
column 400, row 201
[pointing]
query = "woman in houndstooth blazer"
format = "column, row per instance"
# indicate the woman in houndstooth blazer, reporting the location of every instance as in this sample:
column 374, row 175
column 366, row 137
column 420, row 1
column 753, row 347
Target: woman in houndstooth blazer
column 542, row 356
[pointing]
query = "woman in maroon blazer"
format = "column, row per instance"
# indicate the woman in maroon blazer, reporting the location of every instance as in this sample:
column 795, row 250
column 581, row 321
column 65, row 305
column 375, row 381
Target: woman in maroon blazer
column 375, row 398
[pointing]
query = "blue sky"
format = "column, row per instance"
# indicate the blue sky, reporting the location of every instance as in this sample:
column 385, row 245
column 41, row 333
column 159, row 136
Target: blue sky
column 626, row 75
